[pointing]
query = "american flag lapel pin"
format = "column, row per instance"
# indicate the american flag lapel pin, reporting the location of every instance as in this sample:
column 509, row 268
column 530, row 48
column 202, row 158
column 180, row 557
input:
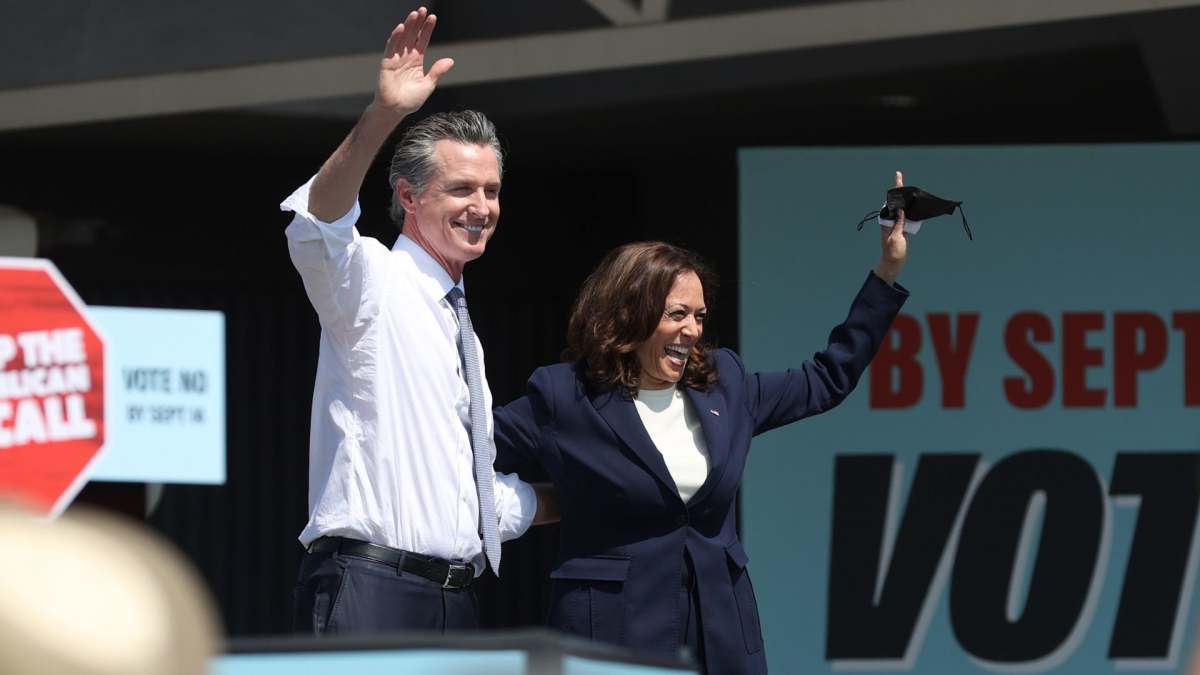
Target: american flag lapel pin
column 715, row 411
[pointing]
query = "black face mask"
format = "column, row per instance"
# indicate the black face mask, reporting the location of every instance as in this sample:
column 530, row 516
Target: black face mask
column 918, row 205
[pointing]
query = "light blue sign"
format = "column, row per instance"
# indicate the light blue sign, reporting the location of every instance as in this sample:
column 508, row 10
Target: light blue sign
column 577, row 665
column 381, row 662
column 418, row 662
column 1013, row 485
column 164, row 395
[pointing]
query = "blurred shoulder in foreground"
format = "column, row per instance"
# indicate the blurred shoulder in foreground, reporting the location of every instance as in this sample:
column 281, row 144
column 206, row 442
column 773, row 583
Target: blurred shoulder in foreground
column 93, row 594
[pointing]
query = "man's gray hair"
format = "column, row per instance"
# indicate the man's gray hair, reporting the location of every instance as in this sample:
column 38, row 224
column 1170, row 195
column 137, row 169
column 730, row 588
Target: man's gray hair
column 414, row 159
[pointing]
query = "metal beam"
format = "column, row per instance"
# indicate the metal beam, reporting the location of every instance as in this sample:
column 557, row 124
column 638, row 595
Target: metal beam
column 1168, row 45
column 626, row 13
column 534, row 56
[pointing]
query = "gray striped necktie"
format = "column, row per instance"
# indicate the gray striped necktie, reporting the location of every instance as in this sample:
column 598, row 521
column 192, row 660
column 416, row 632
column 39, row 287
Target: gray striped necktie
column 484, row 474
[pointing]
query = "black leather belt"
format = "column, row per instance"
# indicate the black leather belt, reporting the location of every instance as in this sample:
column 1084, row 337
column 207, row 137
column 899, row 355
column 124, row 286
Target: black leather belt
column 444, row 572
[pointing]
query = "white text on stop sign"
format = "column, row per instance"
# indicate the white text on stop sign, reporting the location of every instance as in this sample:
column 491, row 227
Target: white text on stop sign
column 42, row 402
column 54, row 418
column 44, row 347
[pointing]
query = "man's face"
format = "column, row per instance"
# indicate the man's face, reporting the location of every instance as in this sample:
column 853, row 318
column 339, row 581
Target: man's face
column 455, row 215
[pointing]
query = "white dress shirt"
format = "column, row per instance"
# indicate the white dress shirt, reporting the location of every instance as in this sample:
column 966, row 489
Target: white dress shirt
column 671, row 423
column 390, row 458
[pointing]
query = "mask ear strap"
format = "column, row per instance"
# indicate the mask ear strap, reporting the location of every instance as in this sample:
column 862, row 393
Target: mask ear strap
column 870, row 215
column 963, row 214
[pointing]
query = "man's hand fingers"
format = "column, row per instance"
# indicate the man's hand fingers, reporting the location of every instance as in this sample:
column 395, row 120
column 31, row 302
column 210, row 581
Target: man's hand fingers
column 426, row 32
column 899, row 179
column 394, row 43
column 898, row 226
column 440, row 68
column 411, row 28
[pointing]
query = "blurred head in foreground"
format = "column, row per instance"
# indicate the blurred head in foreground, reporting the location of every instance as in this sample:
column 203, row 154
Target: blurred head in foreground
column 90, row 594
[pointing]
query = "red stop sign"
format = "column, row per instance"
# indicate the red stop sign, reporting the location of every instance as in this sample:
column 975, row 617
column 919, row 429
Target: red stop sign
column 51, row 387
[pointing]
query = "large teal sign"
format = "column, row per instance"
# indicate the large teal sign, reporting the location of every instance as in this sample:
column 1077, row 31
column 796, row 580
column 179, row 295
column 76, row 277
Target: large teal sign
column 1014, row 485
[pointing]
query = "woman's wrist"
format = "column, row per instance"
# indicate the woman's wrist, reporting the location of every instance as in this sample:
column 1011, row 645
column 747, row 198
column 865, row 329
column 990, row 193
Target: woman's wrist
column 888, row 271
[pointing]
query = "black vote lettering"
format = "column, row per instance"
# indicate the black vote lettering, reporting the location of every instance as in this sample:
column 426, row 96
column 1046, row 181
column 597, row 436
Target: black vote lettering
column 1062, row 571
column 1158, row 557
column 858, row 627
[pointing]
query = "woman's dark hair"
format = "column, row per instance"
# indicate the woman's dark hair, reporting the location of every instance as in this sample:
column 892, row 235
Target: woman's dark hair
column 618, row 308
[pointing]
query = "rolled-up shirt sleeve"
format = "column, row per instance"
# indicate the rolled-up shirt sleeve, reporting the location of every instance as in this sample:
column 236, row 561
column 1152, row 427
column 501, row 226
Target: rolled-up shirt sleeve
column 330, row 258
column 516, row 504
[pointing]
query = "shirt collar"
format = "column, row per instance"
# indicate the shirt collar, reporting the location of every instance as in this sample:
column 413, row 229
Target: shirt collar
column 433, row 277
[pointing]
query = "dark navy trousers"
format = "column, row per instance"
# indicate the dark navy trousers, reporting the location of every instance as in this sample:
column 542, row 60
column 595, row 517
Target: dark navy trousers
column 340, row 593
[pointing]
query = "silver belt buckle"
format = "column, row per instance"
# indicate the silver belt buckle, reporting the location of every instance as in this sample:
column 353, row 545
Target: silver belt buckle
column 450, row 572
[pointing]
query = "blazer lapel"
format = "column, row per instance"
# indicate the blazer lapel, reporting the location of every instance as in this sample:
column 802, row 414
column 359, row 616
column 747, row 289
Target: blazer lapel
column 714, row 422
column 617, row 409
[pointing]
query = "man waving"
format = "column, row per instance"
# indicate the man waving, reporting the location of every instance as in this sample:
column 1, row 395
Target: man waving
column 404, row 508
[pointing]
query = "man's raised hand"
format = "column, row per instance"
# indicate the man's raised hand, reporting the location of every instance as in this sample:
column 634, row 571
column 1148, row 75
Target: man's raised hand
column 403, row 83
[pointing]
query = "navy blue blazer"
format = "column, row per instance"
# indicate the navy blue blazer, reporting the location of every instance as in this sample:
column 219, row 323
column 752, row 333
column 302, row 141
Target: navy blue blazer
column 625, row 528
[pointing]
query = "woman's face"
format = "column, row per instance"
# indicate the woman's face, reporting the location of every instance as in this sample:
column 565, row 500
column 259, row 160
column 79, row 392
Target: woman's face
column 664, row 354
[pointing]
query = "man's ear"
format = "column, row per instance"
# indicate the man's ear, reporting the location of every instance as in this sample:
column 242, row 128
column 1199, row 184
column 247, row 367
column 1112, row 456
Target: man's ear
column 406, row 195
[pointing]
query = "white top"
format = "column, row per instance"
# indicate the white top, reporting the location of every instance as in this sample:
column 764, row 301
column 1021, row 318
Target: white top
column 390, row 458
column 673, row 426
